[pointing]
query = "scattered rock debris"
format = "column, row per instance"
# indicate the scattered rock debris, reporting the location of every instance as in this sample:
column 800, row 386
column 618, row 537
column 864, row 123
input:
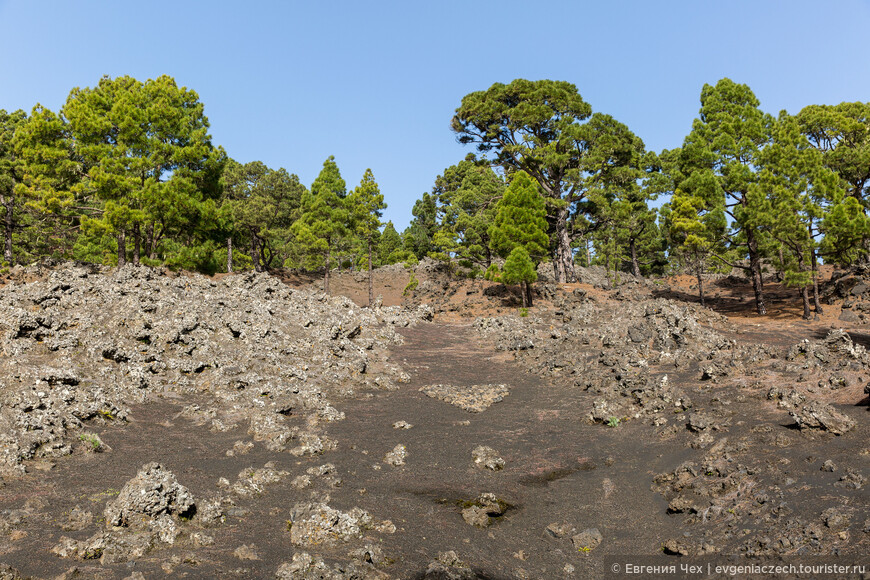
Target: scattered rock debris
column 472, row 398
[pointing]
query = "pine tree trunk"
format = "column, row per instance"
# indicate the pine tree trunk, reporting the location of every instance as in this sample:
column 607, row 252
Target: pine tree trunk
column 371, row 282
column 151, row 250
column 254, row 250
column 563, row 262
column 700, row 279
column 8, row 226
column 815, row 267
column 137, row 242
column 755, row 272
column 805, row 296
column 805, row 293
column 326, row 272
column 229, row 255
column 528, row 294
column 525, row 294
column 635, row 266
column 255, row 253
column 122, row 248
column 780, row 274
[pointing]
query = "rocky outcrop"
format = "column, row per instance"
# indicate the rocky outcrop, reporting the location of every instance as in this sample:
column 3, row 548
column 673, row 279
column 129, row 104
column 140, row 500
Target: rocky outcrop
column 269, row 357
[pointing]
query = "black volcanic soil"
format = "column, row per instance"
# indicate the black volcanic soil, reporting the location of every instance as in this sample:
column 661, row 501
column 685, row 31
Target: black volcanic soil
column 559, row 468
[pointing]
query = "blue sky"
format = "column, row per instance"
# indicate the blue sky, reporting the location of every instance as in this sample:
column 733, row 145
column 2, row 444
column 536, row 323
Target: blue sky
column 376, row 83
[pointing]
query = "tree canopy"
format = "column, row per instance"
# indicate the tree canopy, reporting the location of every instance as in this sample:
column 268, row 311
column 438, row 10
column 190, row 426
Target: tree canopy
column 546, row 129
column 126, row 171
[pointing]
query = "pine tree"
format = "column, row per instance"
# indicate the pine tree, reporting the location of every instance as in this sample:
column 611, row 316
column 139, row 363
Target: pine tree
column 546, row 129
column 466, row 195
column 725, row 143
column 260, row 203
column 695, row 217
column 520, row 269
column 389, row 245
column 367, row 205
column 51, row 172
column 793, row 183
column 846, row 226
column 324, row 216
column 418, row 236
column 842, row 134
column 148, row 160
column 10, row 174
column 520, row 221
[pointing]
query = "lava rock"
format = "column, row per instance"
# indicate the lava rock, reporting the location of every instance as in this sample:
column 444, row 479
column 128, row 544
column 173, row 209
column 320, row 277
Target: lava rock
column 153, row 492
column 818, row 415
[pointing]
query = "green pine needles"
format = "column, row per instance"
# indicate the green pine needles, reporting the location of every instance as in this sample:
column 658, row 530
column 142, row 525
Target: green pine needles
column 519, row 233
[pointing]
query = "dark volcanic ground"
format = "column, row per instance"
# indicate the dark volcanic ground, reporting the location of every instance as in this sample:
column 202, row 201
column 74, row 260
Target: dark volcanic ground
column 711, row 450
column 559, row 469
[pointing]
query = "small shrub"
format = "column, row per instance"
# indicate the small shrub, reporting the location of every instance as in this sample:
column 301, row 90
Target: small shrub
column 412, row 285
column 410, row 261
column 92, row 440
column 612, row 422
column 524, row 312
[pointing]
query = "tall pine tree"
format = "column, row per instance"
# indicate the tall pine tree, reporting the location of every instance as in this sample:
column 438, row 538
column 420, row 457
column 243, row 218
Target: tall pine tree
column 51, row 171
column 520, row 221
column 324, row 217
column 793, row 183
column 367, row 205
column 10, row 175
column 725, row 142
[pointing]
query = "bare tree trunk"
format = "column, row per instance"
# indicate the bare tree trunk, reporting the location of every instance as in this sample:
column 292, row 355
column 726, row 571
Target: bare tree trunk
column 635, row 266
column 755, row 271
column 8, row 225
column 528, row 294
column 137, row 242
column 700, row 279
column 326, row 274
column 815, row 267
column 122, row 248
column 229, row 255
column 371, row 282
column 525, row 294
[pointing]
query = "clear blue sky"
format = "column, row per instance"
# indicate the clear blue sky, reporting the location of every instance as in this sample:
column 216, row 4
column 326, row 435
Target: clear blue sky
column 376, row 83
